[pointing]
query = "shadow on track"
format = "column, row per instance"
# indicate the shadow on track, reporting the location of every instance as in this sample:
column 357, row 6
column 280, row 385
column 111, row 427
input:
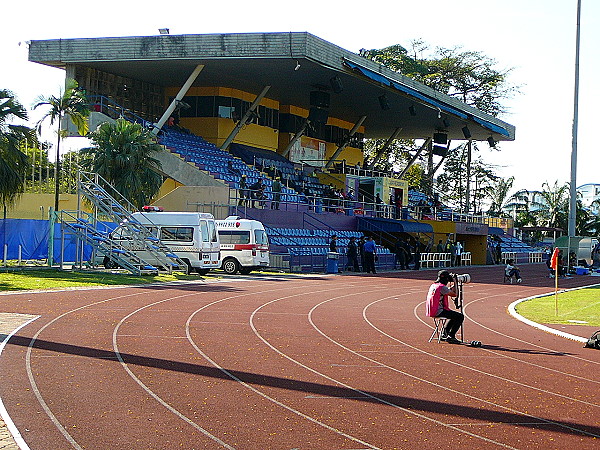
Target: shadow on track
column 426, row 406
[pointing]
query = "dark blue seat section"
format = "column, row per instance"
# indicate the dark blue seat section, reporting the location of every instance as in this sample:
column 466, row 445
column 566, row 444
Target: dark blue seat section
column 274, row 164
column 219, row 163
column 302, row 241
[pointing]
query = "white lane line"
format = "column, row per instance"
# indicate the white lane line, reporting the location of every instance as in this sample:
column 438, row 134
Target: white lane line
column 31, row 377
column 12, row 428
column 262, row 394
column 371, row 396
column 513, row 338
column 406, row 410
column 514, row 411
column 150, row 391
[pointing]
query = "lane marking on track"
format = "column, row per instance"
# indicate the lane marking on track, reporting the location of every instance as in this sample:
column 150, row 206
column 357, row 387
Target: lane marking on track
column 12, row 428
column 532, row 344
column 470, row 368
column 262, row 394
column 31, row 377
column 439, row 357
column 359, row 391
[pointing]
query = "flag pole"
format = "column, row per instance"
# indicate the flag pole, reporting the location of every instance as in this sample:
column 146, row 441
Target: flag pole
column 556, row 290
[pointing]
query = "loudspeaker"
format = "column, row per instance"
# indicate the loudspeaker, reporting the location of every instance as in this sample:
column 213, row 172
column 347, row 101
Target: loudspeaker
column 440, row 138
column 412, row 110
column 439, row 150
column 318, row 115
column 466, row 132
column 491, row 141
column 336, row 84
column 319, row 99
column 383, row 102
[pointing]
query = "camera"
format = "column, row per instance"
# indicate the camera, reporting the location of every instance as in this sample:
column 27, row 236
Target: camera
column 463, row 278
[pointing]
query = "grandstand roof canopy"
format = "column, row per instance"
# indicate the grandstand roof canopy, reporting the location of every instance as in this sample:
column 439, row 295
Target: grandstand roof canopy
column 248, row 62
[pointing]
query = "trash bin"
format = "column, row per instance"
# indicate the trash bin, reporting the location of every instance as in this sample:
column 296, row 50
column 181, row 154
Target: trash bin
column 332, row 262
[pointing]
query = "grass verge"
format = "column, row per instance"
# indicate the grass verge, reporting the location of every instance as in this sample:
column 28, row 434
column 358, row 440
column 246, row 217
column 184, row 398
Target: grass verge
column 579, row 307
column 19, row 280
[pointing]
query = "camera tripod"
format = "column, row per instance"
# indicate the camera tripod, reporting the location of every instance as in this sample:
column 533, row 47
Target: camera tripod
column 458, row 302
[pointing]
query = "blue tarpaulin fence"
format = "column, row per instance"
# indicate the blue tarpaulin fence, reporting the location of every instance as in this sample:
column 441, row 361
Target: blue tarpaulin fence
column 32, row 237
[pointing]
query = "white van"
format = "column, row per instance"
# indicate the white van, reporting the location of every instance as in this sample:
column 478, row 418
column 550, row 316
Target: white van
column 191, row 236
column 244, row 245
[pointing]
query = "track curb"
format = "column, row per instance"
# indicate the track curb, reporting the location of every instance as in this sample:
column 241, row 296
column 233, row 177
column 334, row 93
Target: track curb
column 513, row 312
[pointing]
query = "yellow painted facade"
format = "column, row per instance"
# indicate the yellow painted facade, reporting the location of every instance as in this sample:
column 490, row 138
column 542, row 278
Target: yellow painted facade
column 36, row 206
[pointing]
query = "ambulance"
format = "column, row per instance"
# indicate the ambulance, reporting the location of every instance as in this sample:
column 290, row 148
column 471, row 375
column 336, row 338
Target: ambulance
column 192, row 236
column 244, row 245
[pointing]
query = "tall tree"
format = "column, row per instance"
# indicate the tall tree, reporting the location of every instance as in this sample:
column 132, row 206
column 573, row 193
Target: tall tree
column 452, row 183
column 468, row 75
column 71, row 104
column 13, row 139
column 123, row 156
column 553, row 205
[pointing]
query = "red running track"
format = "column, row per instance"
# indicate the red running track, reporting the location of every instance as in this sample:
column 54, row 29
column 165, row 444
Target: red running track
column 336, row 362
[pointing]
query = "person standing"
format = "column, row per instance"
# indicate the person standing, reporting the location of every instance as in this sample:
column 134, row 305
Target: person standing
column 361, row 252
column 352, row 255
column 276, row 189
column 333, row 244
column 370, row 250
column 417, row 254
column 243, row 191
column 401, row 254
column 459, row 252
column 437, row 305
column 498, row 253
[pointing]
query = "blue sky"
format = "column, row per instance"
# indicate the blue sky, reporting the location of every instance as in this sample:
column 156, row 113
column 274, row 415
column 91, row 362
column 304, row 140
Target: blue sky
column 534, row 37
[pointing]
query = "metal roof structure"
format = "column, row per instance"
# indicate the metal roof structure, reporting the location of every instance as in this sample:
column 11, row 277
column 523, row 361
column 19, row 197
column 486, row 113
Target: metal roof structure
column 293, row 64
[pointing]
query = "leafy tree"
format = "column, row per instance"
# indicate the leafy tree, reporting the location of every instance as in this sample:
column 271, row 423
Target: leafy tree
column 451, row 184
column 396, row 159
column 122, row 155
column 13, row 139
column 470, row 76
column 552, row 209
column 71, row 104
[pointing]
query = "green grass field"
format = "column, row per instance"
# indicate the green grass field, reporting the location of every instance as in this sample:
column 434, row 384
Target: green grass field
column 579, row 307
column 18, row 280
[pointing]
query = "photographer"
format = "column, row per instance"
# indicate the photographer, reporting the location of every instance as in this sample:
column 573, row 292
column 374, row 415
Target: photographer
column 437, row 305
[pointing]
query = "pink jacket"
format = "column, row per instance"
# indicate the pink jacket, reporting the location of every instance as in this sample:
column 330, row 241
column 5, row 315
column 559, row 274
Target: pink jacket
column 437, row 299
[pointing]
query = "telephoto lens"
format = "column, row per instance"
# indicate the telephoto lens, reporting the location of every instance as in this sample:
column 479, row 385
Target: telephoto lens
column 464, row 278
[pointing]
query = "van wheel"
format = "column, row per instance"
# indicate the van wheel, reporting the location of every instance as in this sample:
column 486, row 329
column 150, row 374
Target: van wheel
column 245, row 271
column 231, row 266
column 109, row 264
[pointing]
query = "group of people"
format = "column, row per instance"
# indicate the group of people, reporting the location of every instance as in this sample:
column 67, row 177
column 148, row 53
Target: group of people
column 363, row 250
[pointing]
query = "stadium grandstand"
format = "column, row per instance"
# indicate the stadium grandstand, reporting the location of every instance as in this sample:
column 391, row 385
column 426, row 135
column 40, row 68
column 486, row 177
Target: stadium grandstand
column 270, row 126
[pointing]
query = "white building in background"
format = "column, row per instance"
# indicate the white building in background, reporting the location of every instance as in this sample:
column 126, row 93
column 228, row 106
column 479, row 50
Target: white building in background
column 590, row 193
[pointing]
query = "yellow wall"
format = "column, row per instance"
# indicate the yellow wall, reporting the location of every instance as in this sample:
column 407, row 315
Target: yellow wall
column 196, row 198
column 475, row 244
column 36, row 206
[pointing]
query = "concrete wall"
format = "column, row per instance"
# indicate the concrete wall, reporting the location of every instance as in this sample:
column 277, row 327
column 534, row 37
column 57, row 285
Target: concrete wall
column 36, row 206
column 196, row 198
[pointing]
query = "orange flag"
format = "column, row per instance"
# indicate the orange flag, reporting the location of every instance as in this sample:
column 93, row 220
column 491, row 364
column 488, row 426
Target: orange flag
column 554, row 259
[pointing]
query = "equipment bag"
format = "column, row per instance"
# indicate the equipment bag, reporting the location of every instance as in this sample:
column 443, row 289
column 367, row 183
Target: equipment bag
column 593, row 341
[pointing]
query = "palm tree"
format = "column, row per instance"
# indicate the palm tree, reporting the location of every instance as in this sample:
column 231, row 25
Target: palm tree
column 71, row 104
column 122, row 155
column 13, row 138
column 554, row 205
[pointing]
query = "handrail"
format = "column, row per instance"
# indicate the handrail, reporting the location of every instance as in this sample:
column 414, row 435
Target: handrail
column 121, row 111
